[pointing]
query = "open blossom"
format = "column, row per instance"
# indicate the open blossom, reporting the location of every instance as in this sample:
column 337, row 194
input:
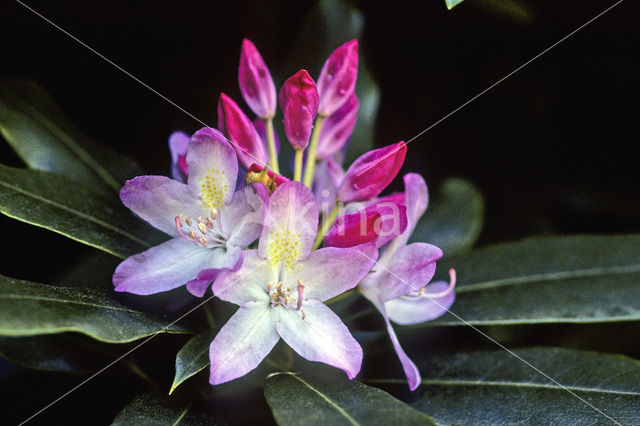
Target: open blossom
column 280, row 288
column 209, row 222
column 398, row 287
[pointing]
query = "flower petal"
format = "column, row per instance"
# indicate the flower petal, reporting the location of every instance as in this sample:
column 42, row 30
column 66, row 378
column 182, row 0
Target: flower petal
column 158, row 200
column 321, row 336
column 243, row 342
column 337, row 79
column 290, row 226
column 256, row 84
column 242, row 218
column 337, row 128
column 416, row 200
column 178, row 144
column 416, row 309
column 331, row 271
column 241, row 133
column 410, row 269
column 166, row 266
column 213, row 168
column 249, row 282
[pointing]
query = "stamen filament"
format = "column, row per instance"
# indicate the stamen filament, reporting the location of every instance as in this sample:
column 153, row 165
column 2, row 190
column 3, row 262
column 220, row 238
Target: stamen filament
column 452, row 284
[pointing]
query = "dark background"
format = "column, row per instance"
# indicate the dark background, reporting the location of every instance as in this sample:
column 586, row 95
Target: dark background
column 552, row 148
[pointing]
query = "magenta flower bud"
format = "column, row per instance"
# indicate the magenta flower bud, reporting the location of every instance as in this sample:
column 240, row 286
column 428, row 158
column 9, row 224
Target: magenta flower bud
column 237, row 127
column 337, row 128
column 299, row 104
column 370, row 174
column 256, row 84
column 337, row 79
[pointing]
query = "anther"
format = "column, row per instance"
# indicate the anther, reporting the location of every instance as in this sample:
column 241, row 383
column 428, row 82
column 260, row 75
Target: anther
column 270, row 285
column 200, row 219
column 188, row 220
column 209, row 223
column 203, row 241
column 202, row 227
column 213, row 213
column 193, row 235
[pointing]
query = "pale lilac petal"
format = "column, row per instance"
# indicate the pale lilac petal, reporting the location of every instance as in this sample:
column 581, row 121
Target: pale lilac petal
column 213, row 168
column 164, row 267
column 249, row 282
column 178, row 144
column 410, row 269
column 243, row 342
column 290, row 225
column 324, row 189
column 331, row 271
column 416, row 201
column 414, row 309
column 158, row 200
column 321, row 336
column 337, row 129
column 199, row 285
column 242, row 218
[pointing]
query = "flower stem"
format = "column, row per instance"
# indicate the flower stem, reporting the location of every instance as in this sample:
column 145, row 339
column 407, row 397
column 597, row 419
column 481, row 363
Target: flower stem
column 271, row 142
column 297, row 170
column 313, row 147
column 325, row 226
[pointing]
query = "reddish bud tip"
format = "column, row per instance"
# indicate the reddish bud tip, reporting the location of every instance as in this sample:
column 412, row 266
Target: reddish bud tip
column 299, row 104
column 256, row 84
column 237, row 127
column 337, row 79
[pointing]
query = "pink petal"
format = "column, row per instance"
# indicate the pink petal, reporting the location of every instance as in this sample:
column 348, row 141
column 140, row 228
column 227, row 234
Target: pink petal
column 256, row 84
column 242, row 135
column 213, row 168
column 416, row 201
column 370, row 174
column 321, row 337
column 199, row 285
column 290, row 225
column 299, row 104
column 158, row 200
column 242, row 218
column 417, row 309
column 167, row 266
column 337, row 79
column 243, row 342
column 249, row 282
column 331, row 271
column 337, row 128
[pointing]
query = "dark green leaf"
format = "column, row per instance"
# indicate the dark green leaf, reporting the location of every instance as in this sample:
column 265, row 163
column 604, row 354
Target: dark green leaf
column 41, row 135
column 28, row 308
column 295, row 400
column 192, row 358
column 495, row 387
column 452, row 3
column 454, row 219
column 60, row 205
column 578, row 279
column 153, row 410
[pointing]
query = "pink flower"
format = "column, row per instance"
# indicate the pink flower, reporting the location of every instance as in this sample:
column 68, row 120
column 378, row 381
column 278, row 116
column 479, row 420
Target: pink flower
column 241, row 133
column 337, row 128
column 256, row 84
column 370, row 174
column 299, row 104
column 337, row 79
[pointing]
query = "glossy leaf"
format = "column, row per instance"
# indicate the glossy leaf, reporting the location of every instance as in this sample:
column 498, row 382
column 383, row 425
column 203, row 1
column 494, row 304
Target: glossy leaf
column 577, row 279
column 28, row 309
column 296, row 400
column 495, row 387
column 192, row 358
column 454, row 218
column 42, row 136
column 150, row 409
column 60, row 205
column 452, row 3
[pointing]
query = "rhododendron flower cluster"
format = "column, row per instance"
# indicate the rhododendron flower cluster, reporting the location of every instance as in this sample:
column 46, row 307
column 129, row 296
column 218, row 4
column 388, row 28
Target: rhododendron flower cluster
column 278, row 245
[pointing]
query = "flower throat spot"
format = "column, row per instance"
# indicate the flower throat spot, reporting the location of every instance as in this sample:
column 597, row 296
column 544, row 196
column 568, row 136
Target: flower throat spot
column 213, row 188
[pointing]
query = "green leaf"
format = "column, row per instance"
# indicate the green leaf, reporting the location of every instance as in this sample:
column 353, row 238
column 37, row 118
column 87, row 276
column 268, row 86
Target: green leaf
column 495, row 387
column 192, row 358
column 295, row 400
column 577, row 279
column 43, row 137
column 60, row 205
column 454, row 219
column 153, row 410
column 28, row 309
column 452, row 3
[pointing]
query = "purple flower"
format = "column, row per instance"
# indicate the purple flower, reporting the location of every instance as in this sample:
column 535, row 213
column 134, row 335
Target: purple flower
column 280, row 288
column 178, row 143
column 398, row 287
column 209, row 222
column 255, row 82
column 299, row 104
column 337, row 79
column 370, row 174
